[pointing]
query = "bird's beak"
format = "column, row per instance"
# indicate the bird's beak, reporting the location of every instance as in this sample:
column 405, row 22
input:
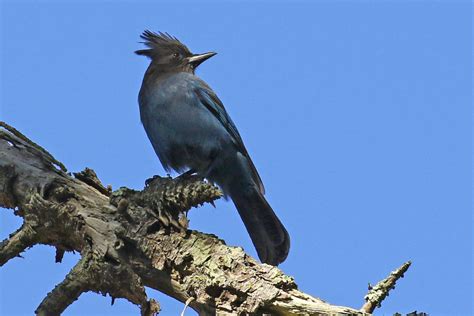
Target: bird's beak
column 197, row 59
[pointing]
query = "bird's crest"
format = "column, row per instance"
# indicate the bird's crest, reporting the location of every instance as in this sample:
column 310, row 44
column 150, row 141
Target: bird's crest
column 161, row 43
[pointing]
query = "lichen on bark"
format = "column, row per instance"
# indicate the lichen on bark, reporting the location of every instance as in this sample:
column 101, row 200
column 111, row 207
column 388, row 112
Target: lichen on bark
column 130, row 239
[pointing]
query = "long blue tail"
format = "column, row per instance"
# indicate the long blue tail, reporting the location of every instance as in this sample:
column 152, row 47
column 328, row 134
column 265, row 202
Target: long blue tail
column 268, row 234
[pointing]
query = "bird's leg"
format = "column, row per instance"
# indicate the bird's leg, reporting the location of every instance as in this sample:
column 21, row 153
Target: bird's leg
column 186, row 175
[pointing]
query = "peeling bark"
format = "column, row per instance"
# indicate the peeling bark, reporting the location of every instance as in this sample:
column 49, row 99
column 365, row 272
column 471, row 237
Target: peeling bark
column 131, row 239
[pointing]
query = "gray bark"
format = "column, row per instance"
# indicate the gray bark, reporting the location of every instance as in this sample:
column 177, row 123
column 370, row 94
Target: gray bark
column 131, row 239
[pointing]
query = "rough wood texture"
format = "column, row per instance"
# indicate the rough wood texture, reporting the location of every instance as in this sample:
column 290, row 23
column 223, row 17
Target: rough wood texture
column 380, row 291
column 130, row 239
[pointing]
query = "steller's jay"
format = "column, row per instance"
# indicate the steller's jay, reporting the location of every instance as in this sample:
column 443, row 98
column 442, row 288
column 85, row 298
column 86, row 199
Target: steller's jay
column 190, row 129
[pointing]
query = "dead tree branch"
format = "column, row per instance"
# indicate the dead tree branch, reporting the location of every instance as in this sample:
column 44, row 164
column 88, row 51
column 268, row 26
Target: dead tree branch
column 381, row 290
column 131, row 239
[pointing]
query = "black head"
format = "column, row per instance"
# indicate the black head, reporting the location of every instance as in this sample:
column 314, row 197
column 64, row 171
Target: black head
column 169, row 54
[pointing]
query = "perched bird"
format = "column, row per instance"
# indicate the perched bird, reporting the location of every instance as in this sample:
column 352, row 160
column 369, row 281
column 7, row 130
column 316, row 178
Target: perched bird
column 191, row 131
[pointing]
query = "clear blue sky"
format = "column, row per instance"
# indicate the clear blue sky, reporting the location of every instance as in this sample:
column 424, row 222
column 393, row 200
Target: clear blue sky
column 357, row 115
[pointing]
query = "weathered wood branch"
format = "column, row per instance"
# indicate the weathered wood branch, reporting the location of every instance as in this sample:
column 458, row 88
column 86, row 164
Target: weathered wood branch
column 17, row 242
column 380, row 291
column 131, row 239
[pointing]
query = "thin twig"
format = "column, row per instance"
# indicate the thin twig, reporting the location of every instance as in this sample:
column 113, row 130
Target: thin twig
column 380, row 291
column 188, row 301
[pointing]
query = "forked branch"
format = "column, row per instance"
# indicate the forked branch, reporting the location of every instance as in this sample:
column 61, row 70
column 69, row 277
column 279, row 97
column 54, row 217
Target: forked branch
column 131, row 239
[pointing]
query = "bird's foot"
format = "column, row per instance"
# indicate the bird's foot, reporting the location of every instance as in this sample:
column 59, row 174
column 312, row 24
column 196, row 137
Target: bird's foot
column 186, row 175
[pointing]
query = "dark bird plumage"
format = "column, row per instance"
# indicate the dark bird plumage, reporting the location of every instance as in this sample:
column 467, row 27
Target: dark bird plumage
column 190, row 129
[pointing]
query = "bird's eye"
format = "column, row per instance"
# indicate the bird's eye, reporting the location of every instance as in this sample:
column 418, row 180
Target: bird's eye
column 175, row 55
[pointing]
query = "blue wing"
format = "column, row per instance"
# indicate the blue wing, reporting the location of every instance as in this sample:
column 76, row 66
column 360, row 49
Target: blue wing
column 210, row 100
